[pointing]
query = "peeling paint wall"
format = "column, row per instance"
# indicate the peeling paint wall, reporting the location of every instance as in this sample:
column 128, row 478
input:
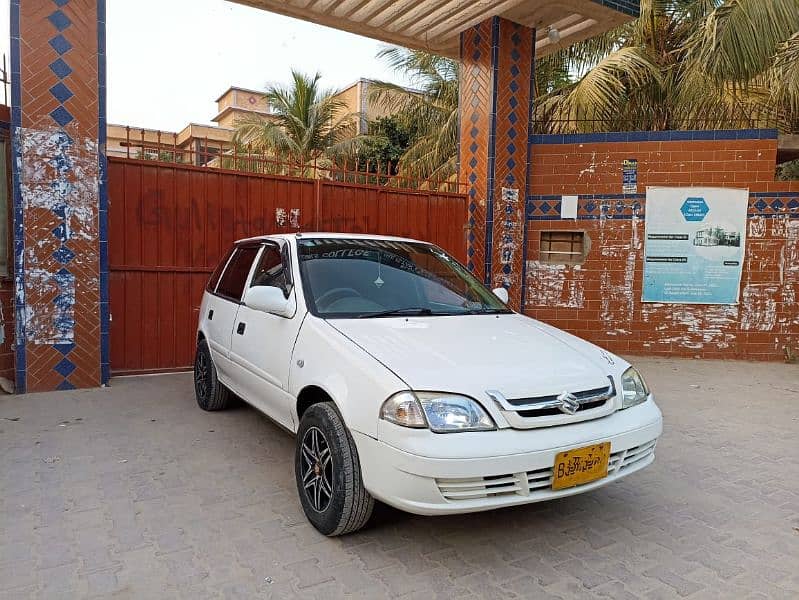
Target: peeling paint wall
column 508, row 240
column 60, row 176
column 559, row 286
column 7, row 329
column 600, row 300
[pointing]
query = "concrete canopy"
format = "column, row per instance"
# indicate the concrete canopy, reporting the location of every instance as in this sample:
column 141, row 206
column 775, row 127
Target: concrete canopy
column 435, row 25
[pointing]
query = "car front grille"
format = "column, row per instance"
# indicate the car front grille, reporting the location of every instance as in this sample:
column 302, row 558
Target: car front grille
column 531, row 483
column 545, row 411
column 581, row 396
column 588, row 400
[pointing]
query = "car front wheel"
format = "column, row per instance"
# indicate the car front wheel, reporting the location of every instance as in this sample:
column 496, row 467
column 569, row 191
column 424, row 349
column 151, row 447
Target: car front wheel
column 328, row 473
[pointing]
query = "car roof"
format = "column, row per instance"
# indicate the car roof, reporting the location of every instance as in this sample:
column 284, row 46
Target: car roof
column 329, row 235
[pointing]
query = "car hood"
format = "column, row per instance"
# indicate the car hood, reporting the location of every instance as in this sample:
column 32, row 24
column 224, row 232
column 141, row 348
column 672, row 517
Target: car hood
column 470, row 354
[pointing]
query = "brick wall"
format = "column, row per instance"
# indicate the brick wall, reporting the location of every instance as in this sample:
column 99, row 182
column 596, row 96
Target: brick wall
column 600, row 300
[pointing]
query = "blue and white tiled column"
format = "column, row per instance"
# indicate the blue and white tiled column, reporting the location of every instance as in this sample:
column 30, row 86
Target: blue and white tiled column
column 497, row 91
column 58, row 136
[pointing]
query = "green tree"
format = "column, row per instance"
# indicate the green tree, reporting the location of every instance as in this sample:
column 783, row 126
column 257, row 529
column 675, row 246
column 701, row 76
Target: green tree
column 682, row 64
column 788, row 171
column 308, row 126
column 429, row 110
column 389, row 138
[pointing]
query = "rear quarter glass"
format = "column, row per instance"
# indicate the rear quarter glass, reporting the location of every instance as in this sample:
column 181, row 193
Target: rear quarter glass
column 234, row 278
column 214, row 279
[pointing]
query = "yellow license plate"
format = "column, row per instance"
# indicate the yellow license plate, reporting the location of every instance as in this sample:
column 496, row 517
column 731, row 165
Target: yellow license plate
column 581, row 465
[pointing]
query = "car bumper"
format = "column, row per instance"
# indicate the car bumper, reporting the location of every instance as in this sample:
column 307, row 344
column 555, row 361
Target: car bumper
column 469, row 472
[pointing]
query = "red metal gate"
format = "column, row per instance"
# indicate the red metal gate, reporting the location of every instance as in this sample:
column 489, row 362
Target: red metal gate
column 170, row 223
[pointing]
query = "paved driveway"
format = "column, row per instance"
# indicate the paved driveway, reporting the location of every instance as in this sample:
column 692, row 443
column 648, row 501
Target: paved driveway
column 133, row 492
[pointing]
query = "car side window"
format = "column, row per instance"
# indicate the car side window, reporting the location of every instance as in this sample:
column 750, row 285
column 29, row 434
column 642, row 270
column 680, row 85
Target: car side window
column 271, row 271
column 214, row 279
column 233, row 280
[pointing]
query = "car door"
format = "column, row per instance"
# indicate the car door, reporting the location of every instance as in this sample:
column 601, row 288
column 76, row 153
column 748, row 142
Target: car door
column 222, row 305
column 262, row 343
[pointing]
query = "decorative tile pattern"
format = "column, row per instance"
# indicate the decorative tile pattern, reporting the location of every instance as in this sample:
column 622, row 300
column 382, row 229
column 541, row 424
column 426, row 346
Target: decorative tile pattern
column 655, row 136
column 102, row 182
column 513, row 110
column 589, row 206
column 497, row 71
column 774, row 204
column 56, row 118
column 476, row 108
column 620, row 206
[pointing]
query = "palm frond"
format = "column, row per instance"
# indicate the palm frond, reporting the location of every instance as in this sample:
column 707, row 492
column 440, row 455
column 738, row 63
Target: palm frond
column 306, row 122
column 595, row 99
column 430, row 109
column 784, row 79
column 738, row 40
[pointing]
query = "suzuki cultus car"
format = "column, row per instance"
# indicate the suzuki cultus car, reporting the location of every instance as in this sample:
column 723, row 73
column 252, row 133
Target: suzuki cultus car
column 407, row 381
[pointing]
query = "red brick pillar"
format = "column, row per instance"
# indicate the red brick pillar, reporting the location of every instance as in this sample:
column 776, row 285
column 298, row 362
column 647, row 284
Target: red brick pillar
column 497, row 77
column 58, row 138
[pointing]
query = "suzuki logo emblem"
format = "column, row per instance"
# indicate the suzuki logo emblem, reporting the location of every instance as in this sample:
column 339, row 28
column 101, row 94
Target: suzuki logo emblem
column 568, row 403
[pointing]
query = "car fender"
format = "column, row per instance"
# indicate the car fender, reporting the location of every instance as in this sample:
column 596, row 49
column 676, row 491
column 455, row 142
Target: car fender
column 201, row 331
column 357, row 383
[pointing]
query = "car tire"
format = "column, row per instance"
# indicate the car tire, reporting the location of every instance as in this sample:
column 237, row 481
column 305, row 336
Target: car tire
column 211, row 394
column 331, row 491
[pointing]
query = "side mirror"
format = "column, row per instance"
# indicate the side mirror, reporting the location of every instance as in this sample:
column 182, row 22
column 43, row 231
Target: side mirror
column 502, row 294
column 270, row 300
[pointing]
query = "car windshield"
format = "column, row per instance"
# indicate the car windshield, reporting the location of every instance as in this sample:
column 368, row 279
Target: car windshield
column 373, row 278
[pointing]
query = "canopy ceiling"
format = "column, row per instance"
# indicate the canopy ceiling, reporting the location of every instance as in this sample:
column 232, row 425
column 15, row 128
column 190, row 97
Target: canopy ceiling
column 435, row 25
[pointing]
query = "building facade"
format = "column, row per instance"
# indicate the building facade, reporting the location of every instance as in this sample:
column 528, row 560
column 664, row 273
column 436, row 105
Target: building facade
column 200, row 144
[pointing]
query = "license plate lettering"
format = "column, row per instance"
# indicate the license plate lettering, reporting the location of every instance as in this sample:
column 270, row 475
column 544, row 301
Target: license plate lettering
column 581, row 465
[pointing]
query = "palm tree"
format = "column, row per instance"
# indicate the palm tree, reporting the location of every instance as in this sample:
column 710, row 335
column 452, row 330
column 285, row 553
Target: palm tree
column 430, row 109
column 682, row 64
column 784, row 81
column 307, row 126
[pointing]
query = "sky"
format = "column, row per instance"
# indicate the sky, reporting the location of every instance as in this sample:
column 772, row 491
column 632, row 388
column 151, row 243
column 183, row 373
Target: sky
column 168, row 60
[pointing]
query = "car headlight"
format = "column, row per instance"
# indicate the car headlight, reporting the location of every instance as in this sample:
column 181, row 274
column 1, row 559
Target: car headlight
column 633, row 388
column 441, row 412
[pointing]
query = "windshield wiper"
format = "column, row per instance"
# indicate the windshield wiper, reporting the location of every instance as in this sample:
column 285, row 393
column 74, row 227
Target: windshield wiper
column 488, row 311
column 398, row 312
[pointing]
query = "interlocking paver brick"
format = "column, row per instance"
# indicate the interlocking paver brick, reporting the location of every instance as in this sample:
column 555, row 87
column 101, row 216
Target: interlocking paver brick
column 142, row 495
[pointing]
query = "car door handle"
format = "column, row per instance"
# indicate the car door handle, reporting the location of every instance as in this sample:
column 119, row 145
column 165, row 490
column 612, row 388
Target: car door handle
column 211, row 315
column 240, row 328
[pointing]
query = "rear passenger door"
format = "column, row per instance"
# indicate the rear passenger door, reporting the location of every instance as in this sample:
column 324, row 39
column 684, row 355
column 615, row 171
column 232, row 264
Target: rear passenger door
column 223, row 304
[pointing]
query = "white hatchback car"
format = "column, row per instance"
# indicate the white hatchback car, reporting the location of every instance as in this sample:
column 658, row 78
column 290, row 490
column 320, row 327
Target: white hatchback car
column 407, row 381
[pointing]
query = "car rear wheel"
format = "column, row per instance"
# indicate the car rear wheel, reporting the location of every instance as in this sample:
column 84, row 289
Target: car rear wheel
column 328, row 473
column 211, row 395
